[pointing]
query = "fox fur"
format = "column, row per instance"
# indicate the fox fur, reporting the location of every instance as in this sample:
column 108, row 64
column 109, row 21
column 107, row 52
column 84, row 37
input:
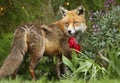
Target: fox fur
column 39, row 40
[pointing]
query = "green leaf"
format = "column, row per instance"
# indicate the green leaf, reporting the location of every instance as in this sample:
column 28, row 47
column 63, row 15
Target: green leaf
column 111, row 63
column 67, row 62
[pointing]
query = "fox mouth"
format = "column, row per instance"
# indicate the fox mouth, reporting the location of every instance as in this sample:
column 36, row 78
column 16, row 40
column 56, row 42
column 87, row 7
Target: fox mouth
column 70, row 34
column 74, row 34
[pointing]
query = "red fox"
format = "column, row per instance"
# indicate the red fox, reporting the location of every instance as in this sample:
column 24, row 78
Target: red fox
column 41, row 40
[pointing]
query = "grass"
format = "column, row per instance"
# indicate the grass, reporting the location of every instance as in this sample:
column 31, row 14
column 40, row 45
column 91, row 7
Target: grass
column 44, row 80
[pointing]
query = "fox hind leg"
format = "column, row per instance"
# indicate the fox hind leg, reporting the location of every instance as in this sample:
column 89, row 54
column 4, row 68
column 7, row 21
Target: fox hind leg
column 14, row 74
column 37, row 48
column 35, row 57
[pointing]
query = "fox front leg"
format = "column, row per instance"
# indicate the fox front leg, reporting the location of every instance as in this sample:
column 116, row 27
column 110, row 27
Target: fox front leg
column 60, row 67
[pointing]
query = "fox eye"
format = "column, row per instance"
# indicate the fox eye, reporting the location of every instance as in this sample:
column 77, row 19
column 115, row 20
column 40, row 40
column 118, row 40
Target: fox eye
column 76, row 22
column 66, row 24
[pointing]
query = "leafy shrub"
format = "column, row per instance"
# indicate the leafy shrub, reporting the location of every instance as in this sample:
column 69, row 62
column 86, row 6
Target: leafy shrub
column 107, row 39
column 83, row 67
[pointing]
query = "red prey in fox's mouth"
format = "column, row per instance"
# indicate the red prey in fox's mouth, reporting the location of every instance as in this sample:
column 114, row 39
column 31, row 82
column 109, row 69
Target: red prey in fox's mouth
column 73, row 44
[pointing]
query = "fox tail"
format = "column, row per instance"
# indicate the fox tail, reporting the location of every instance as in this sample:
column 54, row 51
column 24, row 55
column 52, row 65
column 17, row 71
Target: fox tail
column 16, row 56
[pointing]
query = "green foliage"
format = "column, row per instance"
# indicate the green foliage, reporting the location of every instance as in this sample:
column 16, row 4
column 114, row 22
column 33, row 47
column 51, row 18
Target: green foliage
column 106, row 41
column 84, row 67
column 14, row 12
column 110, row 34
column 13, row 15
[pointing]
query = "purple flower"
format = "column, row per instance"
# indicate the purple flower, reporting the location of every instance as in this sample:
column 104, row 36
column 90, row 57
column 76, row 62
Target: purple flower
column 110, row 1
column 95, row 28
column 106, row 4
column 91, row 16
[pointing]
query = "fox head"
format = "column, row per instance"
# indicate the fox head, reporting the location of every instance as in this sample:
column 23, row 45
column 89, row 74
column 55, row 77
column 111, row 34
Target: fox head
column 74, row 20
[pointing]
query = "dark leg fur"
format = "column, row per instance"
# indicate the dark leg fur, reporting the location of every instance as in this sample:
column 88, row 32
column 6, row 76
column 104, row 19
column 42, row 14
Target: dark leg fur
column 33, row 62
column 14, row 74
column 60, row 67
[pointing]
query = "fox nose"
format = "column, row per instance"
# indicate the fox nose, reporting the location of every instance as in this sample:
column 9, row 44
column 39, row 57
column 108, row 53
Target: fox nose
column 69, row 31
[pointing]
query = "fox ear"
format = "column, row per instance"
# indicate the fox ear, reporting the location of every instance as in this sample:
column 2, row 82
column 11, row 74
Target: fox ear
column 63, row 11
column 80, row 10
